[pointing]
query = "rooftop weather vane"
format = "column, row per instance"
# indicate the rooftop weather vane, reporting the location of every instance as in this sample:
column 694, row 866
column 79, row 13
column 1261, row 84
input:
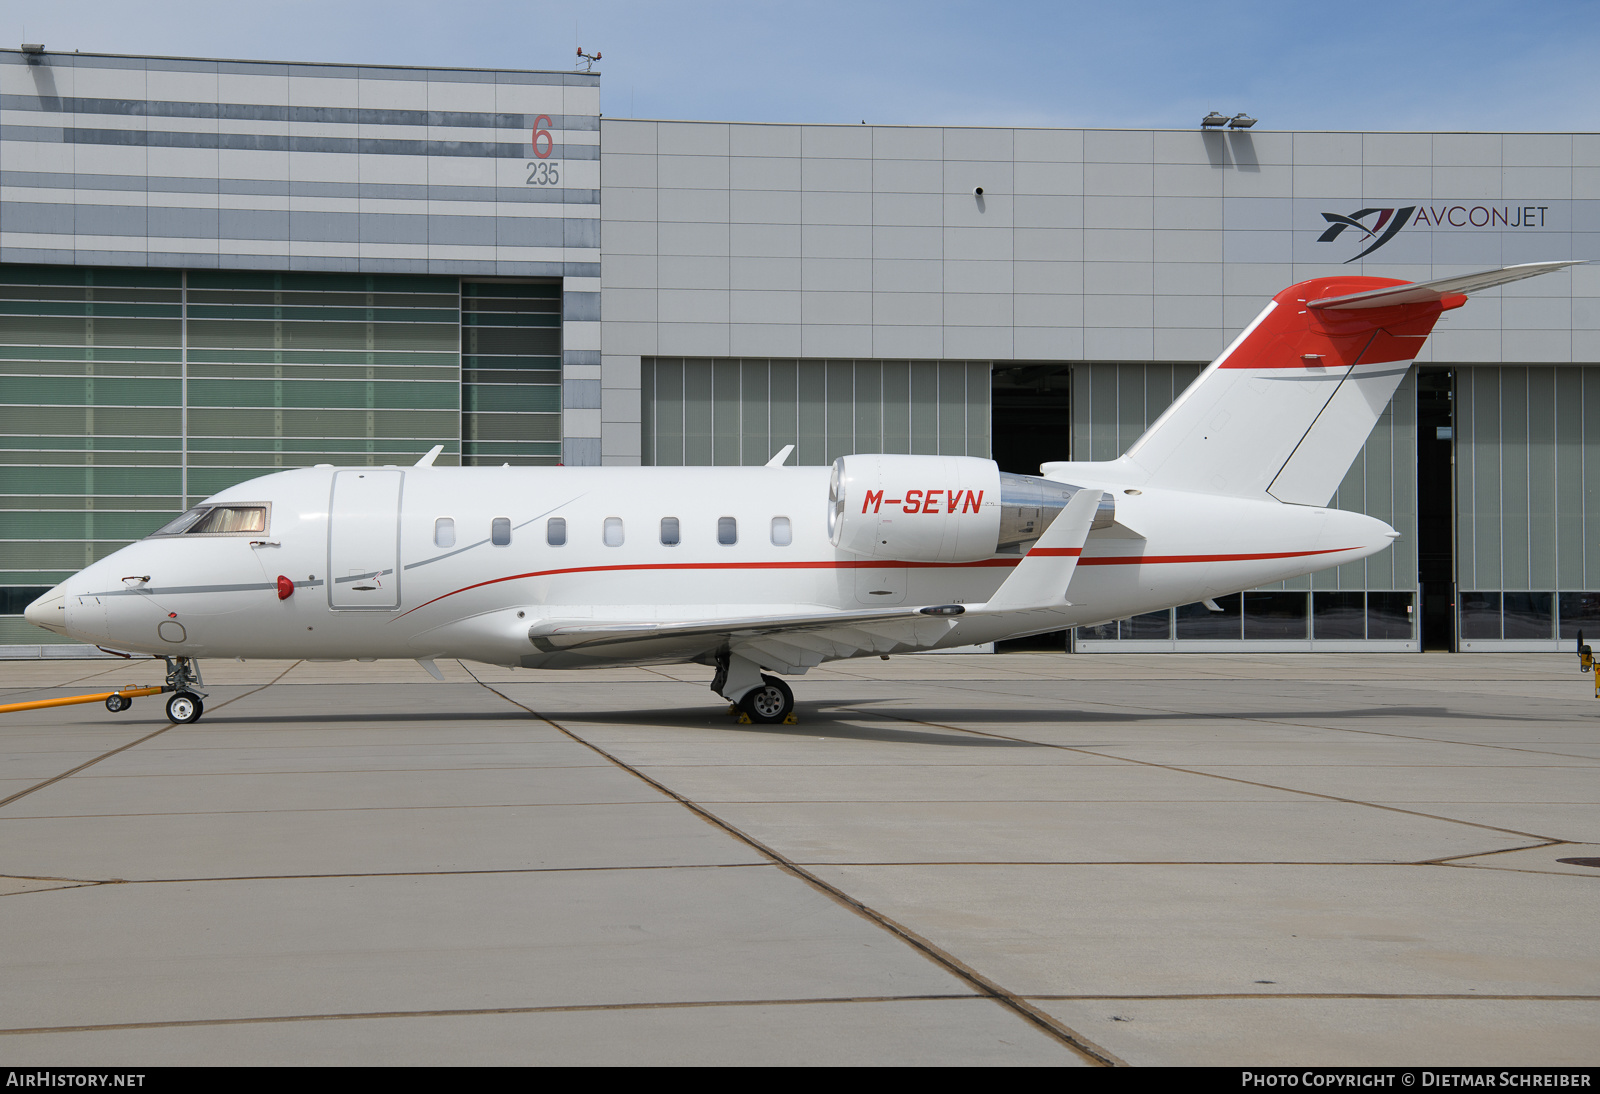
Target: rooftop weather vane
column 588, row 59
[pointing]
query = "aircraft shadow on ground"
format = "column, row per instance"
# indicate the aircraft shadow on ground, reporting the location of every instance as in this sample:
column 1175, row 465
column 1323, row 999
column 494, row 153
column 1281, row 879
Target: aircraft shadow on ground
column 899, row 726
column 982, row 715
column 813, row 725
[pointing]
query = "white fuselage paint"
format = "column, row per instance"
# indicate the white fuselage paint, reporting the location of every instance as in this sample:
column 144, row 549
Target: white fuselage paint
column 217, row 596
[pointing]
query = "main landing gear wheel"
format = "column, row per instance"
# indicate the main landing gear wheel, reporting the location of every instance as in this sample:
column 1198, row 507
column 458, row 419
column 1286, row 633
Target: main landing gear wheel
column 770, row 704
column 185, row 708
column 116, row 704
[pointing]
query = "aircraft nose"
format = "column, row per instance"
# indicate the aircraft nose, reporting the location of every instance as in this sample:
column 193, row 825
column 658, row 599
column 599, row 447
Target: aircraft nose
column 49, row 611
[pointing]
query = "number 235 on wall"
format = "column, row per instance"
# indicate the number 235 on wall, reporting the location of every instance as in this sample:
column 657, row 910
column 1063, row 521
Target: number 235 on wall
column 542, row 170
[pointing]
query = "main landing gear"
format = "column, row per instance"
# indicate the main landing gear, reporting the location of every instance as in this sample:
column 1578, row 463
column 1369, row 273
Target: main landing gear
column 183, row 680
column 760, row 698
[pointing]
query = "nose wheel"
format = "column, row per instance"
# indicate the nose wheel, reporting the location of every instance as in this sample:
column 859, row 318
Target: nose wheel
column 183, row 680
column 185, row 708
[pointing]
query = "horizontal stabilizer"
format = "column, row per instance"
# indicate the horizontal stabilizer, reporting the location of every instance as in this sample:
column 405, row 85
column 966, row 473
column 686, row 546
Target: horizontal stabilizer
column 1430, row 292
column 1041, row 578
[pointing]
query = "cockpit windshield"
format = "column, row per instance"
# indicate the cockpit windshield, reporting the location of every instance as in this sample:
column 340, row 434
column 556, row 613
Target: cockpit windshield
column 216, row 520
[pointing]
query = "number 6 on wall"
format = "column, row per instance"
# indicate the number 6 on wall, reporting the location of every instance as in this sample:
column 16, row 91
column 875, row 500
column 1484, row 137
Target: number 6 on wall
column 549, row 141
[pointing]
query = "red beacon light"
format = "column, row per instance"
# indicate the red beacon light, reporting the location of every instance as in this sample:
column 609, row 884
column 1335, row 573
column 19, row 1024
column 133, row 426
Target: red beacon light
column 285, row 588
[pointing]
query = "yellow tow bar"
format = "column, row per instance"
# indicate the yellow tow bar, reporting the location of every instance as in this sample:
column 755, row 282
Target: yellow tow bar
column 114, row 700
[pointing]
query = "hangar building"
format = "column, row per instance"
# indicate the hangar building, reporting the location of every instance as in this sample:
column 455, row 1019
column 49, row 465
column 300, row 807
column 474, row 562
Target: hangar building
column 213, row 269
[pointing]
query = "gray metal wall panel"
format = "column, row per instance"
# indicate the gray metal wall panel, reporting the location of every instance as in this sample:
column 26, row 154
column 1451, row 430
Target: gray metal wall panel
column 1541, row 480
column 1568, row 475
column 1514, row 516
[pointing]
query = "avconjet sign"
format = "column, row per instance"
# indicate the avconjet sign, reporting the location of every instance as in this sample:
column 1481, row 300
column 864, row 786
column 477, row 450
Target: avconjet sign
column 1385, row 223
column 1481, row 216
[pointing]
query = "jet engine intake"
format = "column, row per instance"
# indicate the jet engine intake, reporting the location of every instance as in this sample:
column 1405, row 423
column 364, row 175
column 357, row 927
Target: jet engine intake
column 940, row 508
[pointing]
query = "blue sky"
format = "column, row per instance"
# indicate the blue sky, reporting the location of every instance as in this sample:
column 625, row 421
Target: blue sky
column 1400, row 65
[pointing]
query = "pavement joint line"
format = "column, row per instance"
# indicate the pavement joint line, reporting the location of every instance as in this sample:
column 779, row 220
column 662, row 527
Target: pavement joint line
column 1030, row 1014
column 816, row 863
column 335, row 809
column 1225, row 778
column 107, row 755
column 470, row 1012
column 1446, row 860
column 385, row 873
column 1318, row 995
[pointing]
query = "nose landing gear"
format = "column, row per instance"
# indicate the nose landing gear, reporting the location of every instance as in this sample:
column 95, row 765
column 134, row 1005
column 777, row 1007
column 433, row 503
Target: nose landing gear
column 183, row 679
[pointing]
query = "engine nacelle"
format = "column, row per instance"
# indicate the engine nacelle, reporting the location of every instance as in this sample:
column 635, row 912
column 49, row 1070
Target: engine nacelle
column 943, row 508
column 915, row 508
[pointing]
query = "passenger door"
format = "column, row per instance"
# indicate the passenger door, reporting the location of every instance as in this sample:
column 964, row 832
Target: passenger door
column 364, row 540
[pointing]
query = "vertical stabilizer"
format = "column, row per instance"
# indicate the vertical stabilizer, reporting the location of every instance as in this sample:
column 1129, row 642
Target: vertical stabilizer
column 1288, row 405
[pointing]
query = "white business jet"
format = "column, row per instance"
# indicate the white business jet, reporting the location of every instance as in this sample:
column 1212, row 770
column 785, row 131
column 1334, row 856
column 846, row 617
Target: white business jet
column 777, row 568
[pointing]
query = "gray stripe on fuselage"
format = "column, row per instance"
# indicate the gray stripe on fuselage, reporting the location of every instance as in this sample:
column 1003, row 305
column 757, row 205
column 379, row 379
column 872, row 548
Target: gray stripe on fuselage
column 174, row 589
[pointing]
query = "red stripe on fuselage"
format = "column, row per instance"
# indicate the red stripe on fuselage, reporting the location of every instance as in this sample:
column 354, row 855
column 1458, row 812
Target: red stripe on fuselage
column 852, row 564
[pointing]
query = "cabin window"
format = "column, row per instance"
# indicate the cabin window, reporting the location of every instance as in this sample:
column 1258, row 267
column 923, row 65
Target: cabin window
column 782, row 533
column 500, row 531
column 727, row 531
column 555, row 532
column 232, row 518
column 669, row 531
column 613, row 532
column 444, row 532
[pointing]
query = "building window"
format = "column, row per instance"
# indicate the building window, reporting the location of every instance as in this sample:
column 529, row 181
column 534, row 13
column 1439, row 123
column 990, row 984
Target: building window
column 444, row 532
column 500, row 531
column 613, row 532
column 727, row 531
column 669, row 531
column 555, row 531
column 782, row 533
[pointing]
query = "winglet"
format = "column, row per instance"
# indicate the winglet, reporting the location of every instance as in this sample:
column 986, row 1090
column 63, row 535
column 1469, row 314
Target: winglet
column 433, row 454
column 1041, row 578
column 783, row 454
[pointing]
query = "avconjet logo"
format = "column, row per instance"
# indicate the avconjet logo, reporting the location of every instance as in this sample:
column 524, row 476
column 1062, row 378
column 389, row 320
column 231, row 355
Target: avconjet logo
column 1389, row 223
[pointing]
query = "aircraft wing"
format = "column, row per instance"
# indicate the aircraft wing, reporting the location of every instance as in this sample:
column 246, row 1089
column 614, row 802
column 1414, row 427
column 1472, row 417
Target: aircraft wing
column 789, row 641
